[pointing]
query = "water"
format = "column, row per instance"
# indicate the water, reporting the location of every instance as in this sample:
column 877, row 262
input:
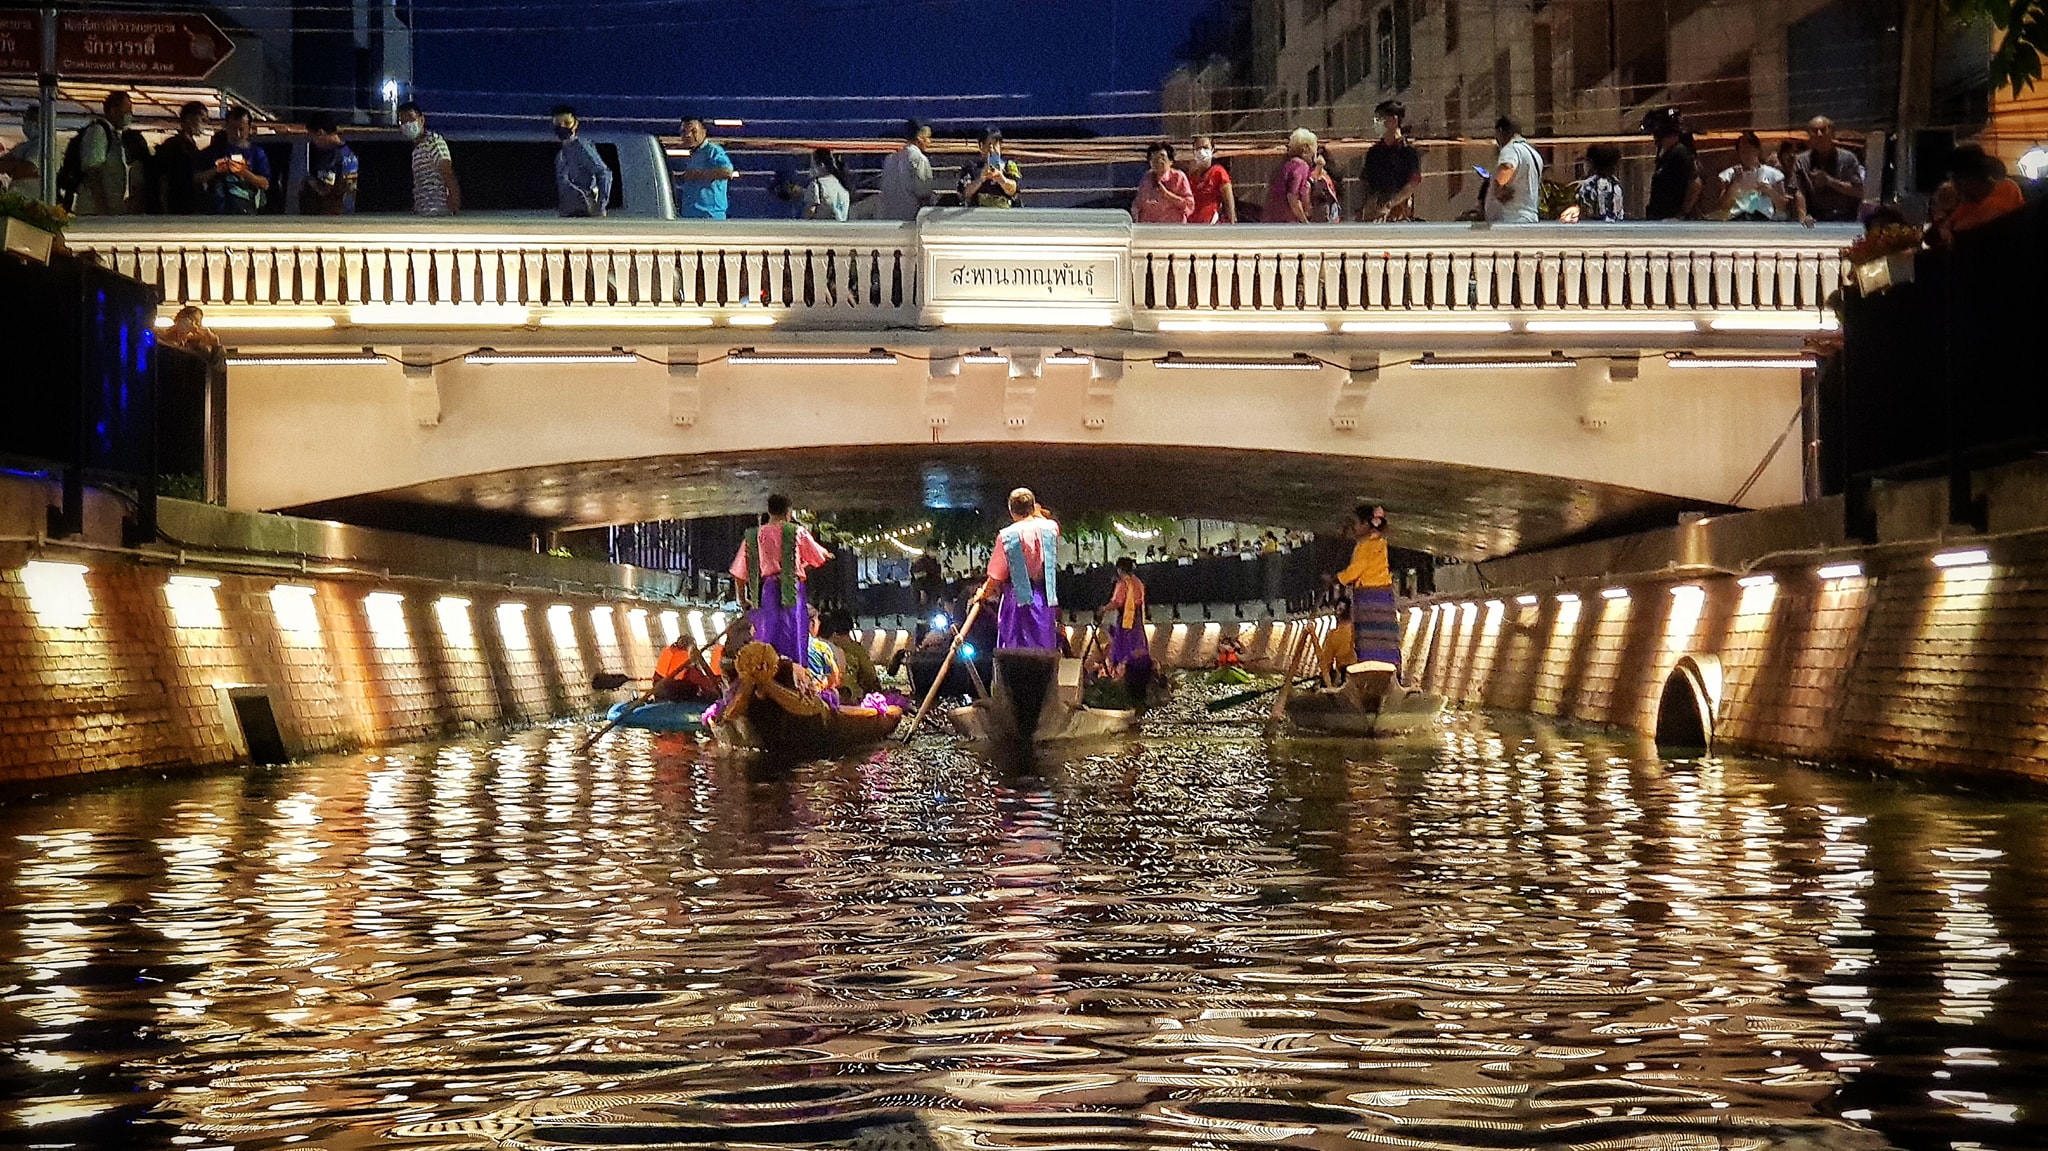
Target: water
column 1497, row 937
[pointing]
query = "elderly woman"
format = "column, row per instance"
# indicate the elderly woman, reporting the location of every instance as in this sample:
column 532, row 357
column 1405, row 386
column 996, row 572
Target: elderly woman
column 1288, row 195
column 1164, row 194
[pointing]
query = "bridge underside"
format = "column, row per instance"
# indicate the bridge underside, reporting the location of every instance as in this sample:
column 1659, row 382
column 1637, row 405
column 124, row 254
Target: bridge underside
column 1451, row 510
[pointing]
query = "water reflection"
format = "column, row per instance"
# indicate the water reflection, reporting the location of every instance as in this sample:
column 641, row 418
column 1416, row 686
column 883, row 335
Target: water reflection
column 1502, row 938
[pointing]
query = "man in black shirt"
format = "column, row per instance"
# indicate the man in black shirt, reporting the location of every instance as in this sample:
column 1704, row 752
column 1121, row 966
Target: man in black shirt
column 1675, row 185
column 1392, row 170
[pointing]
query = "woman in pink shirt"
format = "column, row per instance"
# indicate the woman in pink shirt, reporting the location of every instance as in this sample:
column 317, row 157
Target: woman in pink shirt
column 1287, row 196
column 772, row 566
column 1164, row 195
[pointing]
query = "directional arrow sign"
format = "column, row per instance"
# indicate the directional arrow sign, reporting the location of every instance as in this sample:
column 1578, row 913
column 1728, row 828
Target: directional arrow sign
column 137, row 46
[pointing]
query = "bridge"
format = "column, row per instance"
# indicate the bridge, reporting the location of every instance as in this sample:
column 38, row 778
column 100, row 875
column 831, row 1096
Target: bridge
column 1512, row 386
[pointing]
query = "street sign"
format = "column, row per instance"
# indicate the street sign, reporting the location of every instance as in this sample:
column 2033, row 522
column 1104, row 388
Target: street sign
column 134, row 46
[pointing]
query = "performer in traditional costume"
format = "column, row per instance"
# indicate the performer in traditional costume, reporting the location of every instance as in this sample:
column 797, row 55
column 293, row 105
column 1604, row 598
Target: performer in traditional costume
column 1130, row 653
column 1376, row 627
column 1023, row 570
column 772, row 566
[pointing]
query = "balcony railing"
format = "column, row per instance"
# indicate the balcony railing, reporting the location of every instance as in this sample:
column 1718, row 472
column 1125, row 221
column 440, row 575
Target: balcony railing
column 803, row 274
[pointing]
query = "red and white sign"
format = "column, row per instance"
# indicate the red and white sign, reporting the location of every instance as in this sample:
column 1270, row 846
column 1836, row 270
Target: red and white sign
column 138, row 46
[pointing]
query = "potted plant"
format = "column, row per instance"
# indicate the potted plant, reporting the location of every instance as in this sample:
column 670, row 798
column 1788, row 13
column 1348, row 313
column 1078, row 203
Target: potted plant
column 1884, row 256
column 28, row 228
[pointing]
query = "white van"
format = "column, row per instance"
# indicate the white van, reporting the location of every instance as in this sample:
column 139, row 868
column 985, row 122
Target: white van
column 502, row 173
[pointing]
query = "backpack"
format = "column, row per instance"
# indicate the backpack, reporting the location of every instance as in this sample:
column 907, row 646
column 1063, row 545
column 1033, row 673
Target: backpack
column 71, row 172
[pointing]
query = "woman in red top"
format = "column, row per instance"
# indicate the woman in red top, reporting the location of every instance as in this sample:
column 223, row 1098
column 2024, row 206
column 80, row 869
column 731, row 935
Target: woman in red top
column 1215, row 199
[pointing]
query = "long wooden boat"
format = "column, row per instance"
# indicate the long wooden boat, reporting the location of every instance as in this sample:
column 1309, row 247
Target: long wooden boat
column 766, row 713
column 1368, row 704
column 1036, row 698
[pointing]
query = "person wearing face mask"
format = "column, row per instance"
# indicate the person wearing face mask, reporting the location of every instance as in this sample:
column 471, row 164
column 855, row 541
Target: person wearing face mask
column 827, row 198
column 1392, row 170
column 582, row 182
column 18, row 170
column 434, row 189
column 1215, row 199
column 102, row 161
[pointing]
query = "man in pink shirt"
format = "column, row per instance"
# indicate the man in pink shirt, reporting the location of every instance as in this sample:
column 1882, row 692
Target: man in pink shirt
column 1164, row 194
column 1287, row 197
column 772, row 567
column 1023, row 569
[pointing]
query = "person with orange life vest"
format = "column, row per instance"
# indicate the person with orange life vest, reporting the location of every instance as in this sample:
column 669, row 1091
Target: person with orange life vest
column 679, row 678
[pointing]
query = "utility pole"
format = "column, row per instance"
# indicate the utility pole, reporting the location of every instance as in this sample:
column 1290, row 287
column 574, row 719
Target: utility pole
column 1919, row 36
column 46, row 77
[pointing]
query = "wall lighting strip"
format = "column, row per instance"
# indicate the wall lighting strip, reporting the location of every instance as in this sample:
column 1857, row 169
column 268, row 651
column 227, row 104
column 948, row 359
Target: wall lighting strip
column 985, row 356
column 1554, row 360
column 1526, row 600
column 1566, row 597
column 1688, row 591
column 1840, row 571
column 1298, row 362
column 1029, row 317
column 1761, row 579
column 440, row 315
column 493, row 356
column 297, row 589
column 228, row 321
column 1424, row 327
column 750, row 320
column 1614, row 593
column 1610, row 327
column 1773, row 322
column 1962, row 559
column 1247, row 327
column 193, row 581
column 837, row 359
column 364, row 358
column 622, row 318
column 1688, row 360
column 1068, row 358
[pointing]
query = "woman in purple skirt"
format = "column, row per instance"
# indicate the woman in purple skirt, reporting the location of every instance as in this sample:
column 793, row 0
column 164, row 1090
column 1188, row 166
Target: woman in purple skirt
column 1023, row 570
column 1130, row 653
column 772, row 566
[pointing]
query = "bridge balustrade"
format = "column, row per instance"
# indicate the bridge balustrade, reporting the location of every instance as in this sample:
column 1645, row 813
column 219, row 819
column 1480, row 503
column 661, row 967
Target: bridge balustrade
column 807, row 274
column 1444, row 268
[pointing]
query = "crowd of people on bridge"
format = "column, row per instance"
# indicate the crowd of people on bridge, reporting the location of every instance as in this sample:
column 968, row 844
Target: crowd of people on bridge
column 110, row 168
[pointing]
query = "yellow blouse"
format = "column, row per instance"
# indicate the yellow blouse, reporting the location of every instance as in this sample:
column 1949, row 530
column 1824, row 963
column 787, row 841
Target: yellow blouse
column 1368, row 565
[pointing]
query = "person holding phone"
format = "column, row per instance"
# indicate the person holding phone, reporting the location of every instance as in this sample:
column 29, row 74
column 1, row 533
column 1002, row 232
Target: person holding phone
column 233, row 170
column 1517, row 180
column 989, row 180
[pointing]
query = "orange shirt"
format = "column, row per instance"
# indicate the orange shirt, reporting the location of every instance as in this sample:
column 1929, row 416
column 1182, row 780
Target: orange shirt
column 2005, row 197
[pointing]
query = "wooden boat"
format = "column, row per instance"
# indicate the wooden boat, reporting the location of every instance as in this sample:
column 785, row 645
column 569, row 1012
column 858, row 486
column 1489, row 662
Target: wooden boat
column 1368, row 704
column 667, row 717
column 1036, row 698
column 766, row 713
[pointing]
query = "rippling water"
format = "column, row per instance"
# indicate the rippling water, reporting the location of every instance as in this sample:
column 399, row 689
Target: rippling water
column 1495, row 937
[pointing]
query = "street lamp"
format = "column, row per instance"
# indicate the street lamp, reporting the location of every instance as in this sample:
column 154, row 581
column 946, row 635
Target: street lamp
column 2033, row 163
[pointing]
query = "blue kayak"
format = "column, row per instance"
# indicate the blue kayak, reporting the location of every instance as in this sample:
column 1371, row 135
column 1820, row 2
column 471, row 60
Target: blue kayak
column 659, row 716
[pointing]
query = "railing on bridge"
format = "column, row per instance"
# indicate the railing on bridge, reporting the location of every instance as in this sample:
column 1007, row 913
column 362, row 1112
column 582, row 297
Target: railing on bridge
column 806, row 274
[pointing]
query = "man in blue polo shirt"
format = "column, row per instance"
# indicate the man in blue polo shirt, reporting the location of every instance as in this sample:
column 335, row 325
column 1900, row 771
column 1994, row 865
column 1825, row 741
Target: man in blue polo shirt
column 705, row 173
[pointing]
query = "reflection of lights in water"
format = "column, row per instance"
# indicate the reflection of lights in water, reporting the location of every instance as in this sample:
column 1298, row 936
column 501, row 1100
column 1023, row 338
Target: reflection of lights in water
column 298, row 617
column 192, row 600
column 386, row 612
column 57, row 593
column 1971, row 949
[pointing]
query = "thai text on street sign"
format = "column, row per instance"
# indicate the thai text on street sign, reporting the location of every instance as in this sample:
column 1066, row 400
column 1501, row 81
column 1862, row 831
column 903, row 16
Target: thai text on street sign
column 143, row 46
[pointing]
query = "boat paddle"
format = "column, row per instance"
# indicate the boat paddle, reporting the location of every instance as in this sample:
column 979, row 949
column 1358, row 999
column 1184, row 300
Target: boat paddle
column 1248, row 696
column 696, row 659
column 945, row 669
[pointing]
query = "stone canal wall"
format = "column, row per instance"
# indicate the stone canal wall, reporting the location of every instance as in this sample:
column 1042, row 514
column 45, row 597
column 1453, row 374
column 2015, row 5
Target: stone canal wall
column 115, row 658
column 1926, row 650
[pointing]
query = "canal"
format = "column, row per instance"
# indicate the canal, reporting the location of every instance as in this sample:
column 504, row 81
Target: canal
column 1500, row 935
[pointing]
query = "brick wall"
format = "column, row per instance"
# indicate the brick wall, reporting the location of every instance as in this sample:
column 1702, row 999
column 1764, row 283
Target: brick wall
column 1908, row 665
column 116, row 666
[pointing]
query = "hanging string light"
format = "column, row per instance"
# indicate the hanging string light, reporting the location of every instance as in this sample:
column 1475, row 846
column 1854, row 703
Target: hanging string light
column 1131, row 533
column 894, row 536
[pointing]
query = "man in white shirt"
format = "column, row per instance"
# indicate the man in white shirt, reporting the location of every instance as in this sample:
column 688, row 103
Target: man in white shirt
column 102, row 162
column 907, row 175
column 1517, row 183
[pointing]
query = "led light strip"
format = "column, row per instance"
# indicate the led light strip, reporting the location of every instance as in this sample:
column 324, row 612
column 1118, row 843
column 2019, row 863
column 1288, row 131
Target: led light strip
column 1691, row 360
column 1277, row 327
column 1424, row 327
column 1299, row 362
column 364, row 358
column 493, row 356
column 871, row 356
column 1615, row 327
column 1430, row 360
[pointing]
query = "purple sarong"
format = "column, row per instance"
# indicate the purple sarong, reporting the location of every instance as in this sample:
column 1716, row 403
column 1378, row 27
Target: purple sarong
column 786, row 629
column 1376, row 626
column 1035, row 626
column 1128, row 643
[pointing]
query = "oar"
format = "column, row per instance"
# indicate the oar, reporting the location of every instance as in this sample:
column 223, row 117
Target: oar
column 696, row 657
column 945, row 669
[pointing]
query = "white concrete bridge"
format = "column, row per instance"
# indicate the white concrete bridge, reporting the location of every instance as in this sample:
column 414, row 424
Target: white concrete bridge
column 1508, row 386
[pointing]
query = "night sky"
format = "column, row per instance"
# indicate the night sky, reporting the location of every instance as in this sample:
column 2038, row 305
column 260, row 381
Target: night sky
column 725, row 58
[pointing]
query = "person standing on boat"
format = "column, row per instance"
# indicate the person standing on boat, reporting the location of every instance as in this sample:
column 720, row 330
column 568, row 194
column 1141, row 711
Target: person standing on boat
column 772, row 567
column 1130, row 653
column 1023, row 570
column 1376, row 629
